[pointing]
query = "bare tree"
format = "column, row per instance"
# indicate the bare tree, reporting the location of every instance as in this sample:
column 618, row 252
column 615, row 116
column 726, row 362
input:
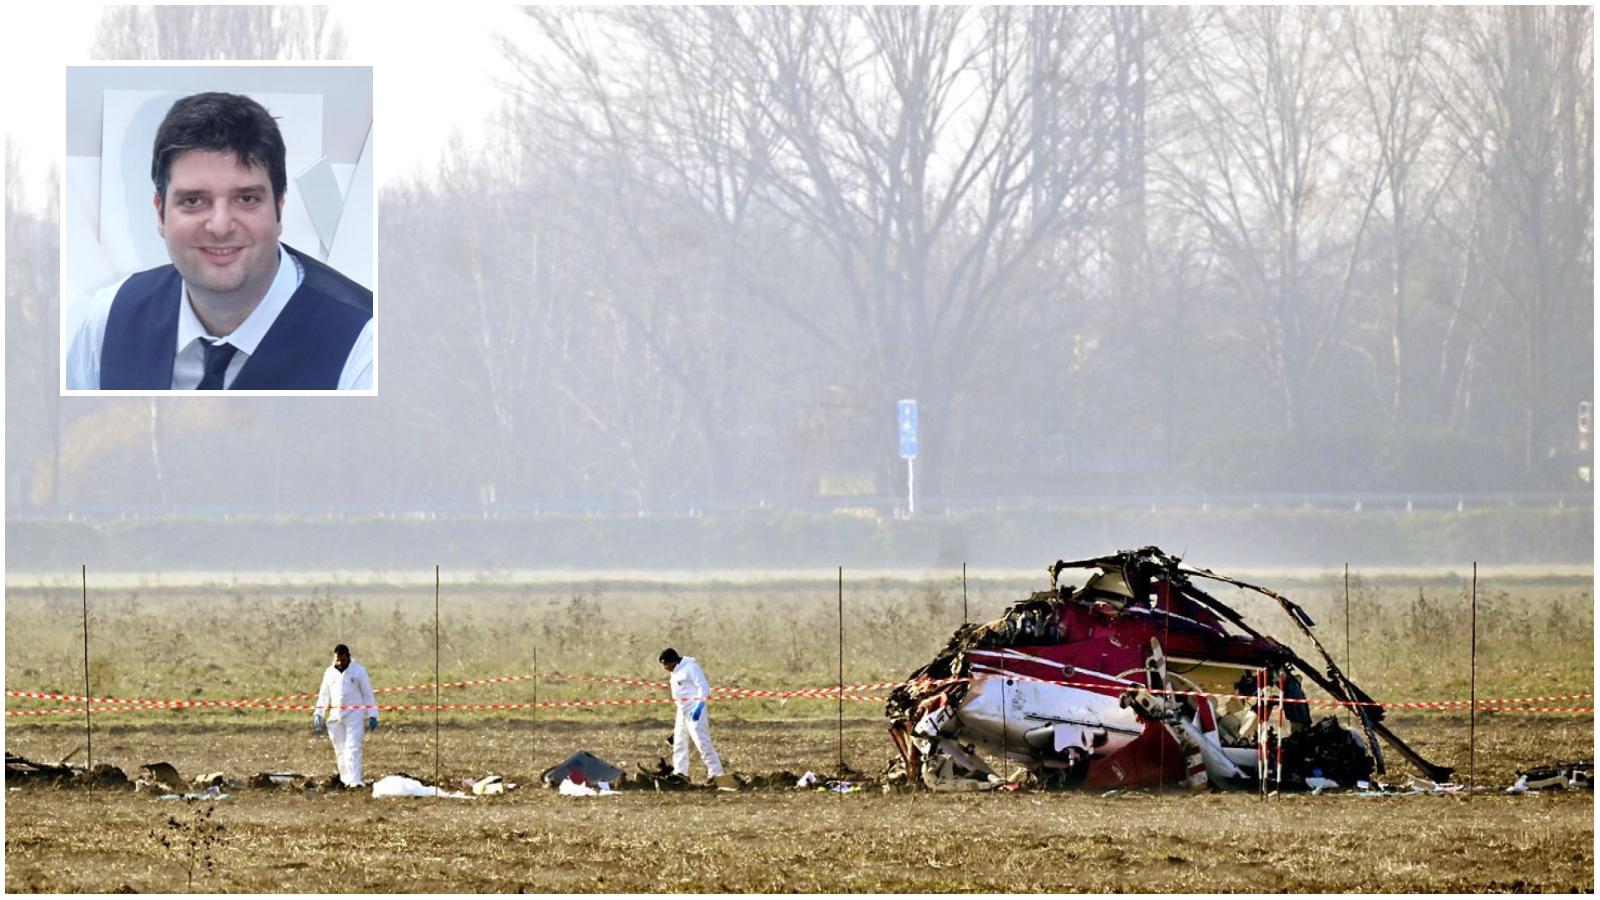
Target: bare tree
column 905, row 143
column 33, row 407
column 667, row 156
column 1392, row 51
column 1521, row 104
column 217, row 32
column 1263, row 170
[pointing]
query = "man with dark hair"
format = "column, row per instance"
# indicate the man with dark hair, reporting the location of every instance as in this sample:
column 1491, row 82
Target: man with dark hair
column 236, row 309
column 690, row 691
column 345, row 703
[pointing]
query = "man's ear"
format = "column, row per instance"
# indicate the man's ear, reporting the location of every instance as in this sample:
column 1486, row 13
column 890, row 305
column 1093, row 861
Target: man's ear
column 161, row 216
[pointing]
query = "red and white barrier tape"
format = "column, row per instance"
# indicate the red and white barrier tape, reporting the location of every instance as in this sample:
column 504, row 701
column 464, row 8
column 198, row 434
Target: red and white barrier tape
column 407, row 707
column 849, row 692
column 278, row 701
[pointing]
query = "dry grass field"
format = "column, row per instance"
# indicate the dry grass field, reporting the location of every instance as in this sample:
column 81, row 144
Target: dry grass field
column 235, row 640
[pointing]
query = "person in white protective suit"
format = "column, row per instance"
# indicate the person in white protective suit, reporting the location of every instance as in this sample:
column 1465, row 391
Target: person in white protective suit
column 346, row 709
column 690, row 691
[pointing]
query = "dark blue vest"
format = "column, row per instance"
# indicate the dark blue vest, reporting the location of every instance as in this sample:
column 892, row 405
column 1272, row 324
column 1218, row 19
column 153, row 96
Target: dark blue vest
column 304, row 350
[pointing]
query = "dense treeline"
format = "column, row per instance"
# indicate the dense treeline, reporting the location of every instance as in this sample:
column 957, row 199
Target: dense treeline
column 1152, row 250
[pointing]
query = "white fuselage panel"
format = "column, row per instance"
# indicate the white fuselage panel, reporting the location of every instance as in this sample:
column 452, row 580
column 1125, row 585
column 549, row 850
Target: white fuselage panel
column 998, row 714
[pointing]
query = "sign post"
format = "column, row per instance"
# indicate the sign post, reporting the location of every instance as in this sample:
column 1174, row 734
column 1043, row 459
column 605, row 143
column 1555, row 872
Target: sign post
column 908, row 451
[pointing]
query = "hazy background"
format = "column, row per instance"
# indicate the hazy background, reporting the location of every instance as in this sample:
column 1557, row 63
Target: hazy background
column 1287, row 286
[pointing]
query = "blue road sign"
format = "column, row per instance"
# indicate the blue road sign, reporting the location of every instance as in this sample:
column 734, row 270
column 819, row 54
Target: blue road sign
column 908, row 429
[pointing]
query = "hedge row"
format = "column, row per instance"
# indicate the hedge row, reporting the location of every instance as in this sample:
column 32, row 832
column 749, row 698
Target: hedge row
column 770, row 540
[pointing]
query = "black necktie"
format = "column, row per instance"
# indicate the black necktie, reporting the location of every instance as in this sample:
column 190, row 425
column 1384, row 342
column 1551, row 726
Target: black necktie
column 217, row 357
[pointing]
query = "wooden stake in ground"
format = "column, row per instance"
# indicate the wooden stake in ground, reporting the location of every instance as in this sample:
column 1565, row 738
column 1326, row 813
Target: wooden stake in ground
column 1283, row 684
column 1472, row 717
column 964, row 617
column 436, row 675
column 88, row 726
column 841, row 670
column 535, row 703
column 1261, row 732
column 1005, row 721
column 1348, row 668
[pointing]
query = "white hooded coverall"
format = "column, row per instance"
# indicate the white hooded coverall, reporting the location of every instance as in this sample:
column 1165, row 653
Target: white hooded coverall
column 690, row 690
column 345, row 701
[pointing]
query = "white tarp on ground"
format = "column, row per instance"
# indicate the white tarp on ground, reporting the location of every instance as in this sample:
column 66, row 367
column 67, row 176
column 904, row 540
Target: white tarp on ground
column 401, row 786
column 568, row 789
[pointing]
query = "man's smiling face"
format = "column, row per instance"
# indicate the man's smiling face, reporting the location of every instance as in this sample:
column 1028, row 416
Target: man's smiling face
column 221, row 226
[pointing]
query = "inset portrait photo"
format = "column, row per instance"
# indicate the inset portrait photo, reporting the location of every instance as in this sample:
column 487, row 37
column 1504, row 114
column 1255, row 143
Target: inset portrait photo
column 218, row 229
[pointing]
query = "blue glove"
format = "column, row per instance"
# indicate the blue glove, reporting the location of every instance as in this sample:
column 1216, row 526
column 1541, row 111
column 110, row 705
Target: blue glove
column 372, row 723
column 316, row 723
column 699, row 708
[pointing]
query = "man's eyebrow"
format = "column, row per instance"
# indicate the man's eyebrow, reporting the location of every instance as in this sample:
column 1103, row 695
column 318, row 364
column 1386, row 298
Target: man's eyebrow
column 201, row 192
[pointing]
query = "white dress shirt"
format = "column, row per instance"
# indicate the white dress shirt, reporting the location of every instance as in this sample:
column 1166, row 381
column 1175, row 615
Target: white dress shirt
column 188, row 364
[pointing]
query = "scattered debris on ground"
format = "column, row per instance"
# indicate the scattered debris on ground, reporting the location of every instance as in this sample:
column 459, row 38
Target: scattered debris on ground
column 21, row 772
column 26, row 772
column 209, row 794
column 487, row 786
column 272, row 781
column 1577, row 776
column 660, row 778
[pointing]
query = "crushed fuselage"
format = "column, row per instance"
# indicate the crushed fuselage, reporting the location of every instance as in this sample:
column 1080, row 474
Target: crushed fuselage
column 1134, row 679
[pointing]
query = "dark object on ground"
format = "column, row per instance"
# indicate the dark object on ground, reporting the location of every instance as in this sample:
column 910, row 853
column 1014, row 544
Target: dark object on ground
column 662, row 778
column 165, row 775
column 20, row 771
column 275, row 780
column 582, row 767
column 1327, row 750
column 104, row 776
column 26, row 771
column 782, row 780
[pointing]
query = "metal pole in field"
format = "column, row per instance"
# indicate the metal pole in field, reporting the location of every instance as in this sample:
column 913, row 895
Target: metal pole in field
column 1472, row 718
column 911, row 488
column 436, row 675
column 1277, row 777
column 1005, row 721
column 1348, row 669
column 1261, row 733
column 88, row 728
column 841, row 670
column 536, row 702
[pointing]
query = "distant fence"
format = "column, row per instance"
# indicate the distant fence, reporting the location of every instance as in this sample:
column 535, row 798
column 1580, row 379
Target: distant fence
column 887, row 506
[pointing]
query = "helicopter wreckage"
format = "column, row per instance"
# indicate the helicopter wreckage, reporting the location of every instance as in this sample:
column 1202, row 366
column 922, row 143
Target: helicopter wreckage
column 1137, row 678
